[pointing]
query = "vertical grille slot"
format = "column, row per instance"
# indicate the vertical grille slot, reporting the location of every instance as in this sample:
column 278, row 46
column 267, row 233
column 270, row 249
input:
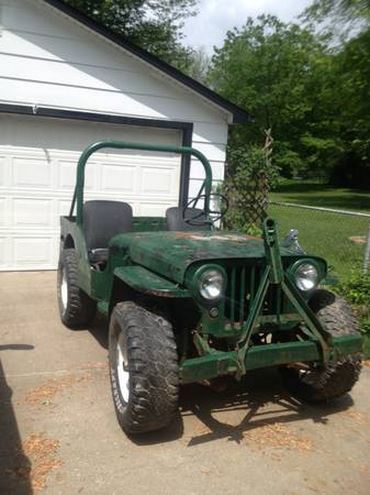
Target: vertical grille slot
column 240, row 291
column 242, row 295
column 231, row 299
column 242, row 286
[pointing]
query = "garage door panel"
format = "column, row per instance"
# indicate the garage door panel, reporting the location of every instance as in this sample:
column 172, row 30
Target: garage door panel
column 32, row 213
column 158, row 181
column 31, row 172
column 2, row 171
column 152, row 210
column 31, row 252
column 3, row 257
column 66, row 177
column 3, row 211
column 63, row 208
column 119, row 178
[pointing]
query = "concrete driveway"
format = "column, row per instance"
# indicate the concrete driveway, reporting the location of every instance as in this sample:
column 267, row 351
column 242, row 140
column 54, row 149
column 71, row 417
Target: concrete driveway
column 59, row 435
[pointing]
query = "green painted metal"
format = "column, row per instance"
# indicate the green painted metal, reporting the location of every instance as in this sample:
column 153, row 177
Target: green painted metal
column 308, row 317
column 263, row 356
column 148, row 224
column 146, row 282
column 78, row 196
column 253, row 314
column 274, row 275
column 172, row 253
column 272, row 250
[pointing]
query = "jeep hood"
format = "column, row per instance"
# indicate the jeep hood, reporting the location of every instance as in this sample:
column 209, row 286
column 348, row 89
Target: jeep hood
column 171, row 253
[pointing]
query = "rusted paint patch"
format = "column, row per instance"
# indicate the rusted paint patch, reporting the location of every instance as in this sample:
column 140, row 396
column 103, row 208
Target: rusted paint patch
column 206, row 236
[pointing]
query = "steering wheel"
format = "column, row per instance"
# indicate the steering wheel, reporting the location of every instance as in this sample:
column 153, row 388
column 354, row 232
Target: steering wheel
column 197, row 218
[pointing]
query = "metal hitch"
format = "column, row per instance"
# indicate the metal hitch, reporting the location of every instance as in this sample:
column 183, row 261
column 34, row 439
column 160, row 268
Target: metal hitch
column 274, row 274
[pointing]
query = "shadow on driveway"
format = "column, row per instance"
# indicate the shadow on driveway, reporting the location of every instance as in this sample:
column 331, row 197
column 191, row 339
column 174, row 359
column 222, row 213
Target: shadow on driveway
column 15, row 467
column 260, row 395
column 260, row 399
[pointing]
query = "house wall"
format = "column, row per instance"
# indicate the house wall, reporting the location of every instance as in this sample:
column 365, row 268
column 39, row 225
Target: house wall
column 48, row 59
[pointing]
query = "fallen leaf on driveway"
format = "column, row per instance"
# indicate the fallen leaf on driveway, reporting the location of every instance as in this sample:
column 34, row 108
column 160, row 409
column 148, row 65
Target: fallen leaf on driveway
column 44, row 393
column 277, row 435
column 41, row 459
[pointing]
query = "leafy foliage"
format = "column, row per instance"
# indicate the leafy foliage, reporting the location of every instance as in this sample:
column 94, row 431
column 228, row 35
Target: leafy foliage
column 313, row 95
column 356, row 289
column 249, row 176
column 343, row 13
column 152, row 24
column 198, row 66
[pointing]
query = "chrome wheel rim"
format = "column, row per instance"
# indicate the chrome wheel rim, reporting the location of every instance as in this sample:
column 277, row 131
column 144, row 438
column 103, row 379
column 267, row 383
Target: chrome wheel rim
column 123, row 374
column 64, row 290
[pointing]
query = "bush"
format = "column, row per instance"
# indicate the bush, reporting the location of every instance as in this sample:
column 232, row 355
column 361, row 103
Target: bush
column 356, row 289
column 250, row 175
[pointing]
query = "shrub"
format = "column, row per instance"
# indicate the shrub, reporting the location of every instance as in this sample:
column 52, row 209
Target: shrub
column 356, row 289
column 250, row 175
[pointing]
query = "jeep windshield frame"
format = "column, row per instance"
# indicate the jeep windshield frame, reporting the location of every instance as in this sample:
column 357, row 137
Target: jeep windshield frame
column 78, row 195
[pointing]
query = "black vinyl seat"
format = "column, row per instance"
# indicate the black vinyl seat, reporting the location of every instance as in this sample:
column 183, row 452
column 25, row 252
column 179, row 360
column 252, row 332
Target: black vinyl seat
column 101, row 221
column 176, row 221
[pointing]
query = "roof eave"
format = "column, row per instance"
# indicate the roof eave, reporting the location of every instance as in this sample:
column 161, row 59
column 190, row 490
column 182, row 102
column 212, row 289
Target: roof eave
column 239, row 115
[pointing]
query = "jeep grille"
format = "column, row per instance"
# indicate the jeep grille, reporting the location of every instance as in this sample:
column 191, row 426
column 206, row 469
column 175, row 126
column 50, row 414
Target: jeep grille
column 242, row 286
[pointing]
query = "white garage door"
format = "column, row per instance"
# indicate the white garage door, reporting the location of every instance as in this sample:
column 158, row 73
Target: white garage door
column 38, row 159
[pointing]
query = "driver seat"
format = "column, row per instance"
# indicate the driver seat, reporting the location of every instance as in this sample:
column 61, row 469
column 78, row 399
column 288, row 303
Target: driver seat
column 102, row 220
column 176, row 222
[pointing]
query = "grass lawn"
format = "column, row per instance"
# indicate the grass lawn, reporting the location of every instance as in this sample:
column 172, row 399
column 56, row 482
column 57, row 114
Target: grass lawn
column 318, row 194
column 326, row 234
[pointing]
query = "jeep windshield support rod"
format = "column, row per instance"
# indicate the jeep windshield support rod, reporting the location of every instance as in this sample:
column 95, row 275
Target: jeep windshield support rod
column 78, row 196
column 274, row 275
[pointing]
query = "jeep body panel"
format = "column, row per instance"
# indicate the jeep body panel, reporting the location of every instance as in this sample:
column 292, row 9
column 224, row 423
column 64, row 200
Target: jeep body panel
column 171, row 253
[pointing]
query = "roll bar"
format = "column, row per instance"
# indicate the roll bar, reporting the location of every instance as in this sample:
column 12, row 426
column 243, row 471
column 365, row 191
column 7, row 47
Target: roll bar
column 78, row 195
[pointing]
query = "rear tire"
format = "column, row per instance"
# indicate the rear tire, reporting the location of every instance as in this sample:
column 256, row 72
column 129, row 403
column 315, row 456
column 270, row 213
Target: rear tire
column 143, row 368
column 324, row 383
column 76, row 308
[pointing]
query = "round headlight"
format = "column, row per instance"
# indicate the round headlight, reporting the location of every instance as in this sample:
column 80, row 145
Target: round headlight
column 211, row 284
column 306, row 276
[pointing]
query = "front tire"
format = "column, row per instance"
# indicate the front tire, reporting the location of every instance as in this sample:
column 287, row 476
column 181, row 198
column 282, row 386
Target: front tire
column 324, row 383
column 143, row 368
column 76, row 308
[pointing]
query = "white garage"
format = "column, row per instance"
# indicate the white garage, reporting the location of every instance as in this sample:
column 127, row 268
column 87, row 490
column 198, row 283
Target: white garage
column 66, row 82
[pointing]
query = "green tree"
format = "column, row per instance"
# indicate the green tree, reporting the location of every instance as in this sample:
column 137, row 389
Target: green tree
column 352, row 97
column 152, row 24
column 199, row 64
column 346, row 104
column 275, row 71
column 343, row 10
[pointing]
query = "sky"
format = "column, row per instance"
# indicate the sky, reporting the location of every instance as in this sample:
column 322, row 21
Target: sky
column 216, row 17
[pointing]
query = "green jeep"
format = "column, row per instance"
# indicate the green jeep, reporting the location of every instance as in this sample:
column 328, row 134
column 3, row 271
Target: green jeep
column 188, row 302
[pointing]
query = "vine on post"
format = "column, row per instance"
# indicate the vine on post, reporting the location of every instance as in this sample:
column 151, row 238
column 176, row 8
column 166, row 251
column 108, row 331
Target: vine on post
column 250, row 174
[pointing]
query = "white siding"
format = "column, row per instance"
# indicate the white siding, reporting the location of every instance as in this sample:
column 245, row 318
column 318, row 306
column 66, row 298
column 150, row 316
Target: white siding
column 47, row 59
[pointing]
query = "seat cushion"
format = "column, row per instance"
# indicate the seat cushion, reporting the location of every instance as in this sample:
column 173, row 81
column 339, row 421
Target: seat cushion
column 175, row 219
column 102, row 220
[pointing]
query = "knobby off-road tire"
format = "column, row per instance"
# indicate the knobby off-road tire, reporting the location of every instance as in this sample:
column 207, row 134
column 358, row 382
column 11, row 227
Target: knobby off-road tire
column 75, row 307
column 143, row 368
column 336, row 379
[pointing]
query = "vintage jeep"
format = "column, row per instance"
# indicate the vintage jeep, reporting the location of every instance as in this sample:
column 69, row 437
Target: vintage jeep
column 188, row 302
